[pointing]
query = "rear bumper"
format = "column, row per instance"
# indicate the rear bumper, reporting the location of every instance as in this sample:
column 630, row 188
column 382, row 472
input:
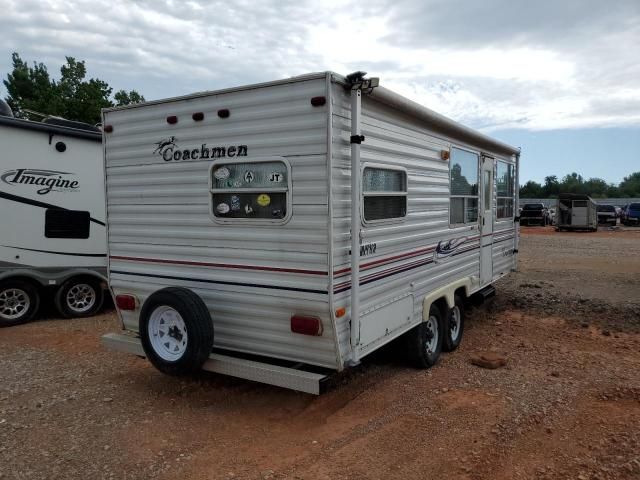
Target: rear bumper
column 291, row 378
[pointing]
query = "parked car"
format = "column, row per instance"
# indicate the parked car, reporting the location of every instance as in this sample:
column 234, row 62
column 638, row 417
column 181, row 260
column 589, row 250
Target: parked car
column 606, row 214
column 632, row 214
column 534, row 214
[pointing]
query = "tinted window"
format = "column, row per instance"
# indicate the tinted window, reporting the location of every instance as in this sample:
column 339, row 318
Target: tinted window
column 463, row 172
column 250, row 190
column 385, row 193
column 66, row 224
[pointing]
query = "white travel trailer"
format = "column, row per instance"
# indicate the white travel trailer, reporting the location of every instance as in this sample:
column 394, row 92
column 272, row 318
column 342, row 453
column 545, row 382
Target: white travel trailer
column 52, row 215
column 230, row 217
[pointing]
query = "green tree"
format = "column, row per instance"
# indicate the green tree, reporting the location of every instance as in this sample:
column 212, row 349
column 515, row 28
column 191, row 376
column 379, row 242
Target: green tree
column 630, row 185
column 531, row 189
column 551, row 186
column 72, row 97
column 123, row 97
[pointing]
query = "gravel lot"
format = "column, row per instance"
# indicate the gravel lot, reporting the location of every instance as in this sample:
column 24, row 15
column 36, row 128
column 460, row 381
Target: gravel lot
column 567, row 404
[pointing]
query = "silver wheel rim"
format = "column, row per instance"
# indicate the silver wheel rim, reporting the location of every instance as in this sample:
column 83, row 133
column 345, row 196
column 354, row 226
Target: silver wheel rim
column 81, row 298
column 168, row 333
column 432, row 335
column 14, row 303
column 454, row 323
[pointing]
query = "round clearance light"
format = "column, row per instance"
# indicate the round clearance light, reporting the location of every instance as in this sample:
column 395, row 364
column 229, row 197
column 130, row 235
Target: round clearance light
column 108, row 128
column 172, row 119
column 318, row 101
column 224, row 113
column 198, row 116
column 61, row 147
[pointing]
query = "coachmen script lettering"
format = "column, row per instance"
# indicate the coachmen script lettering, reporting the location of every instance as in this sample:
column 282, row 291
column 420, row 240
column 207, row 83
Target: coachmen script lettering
column 168, row 149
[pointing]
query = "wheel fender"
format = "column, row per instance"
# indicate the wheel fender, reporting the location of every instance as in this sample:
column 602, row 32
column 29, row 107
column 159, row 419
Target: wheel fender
column 447, row 292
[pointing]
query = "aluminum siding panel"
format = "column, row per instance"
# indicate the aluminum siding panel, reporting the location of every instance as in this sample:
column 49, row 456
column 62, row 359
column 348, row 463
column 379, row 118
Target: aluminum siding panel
column 395, row 139
column 161, row 234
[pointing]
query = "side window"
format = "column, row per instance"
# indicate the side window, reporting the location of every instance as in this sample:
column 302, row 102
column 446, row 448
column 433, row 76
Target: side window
column 505, row 184
column 385, row 193
column 463, row 172
column 256, row 190
column 66, row 223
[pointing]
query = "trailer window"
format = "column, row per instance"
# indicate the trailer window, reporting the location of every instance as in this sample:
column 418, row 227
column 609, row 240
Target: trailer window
column 463, row 171
column 385, row 193
column 60, row 223
column 250, row 190
column 505, row 182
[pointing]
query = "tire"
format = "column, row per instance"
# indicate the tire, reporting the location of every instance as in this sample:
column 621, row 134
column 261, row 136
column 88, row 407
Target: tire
column 19, row 302
column 181, row 317
column 79, row 297
column 454, row 326
column 423, row 348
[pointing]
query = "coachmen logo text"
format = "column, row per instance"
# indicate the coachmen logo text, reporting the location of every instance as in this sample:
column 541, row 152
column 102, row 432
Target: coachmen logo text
column 168, row 149
column 48, row 180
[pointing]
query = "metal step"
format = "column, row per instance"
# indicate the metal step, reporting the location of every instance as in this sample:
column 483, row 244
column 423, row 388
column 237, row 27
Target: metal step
column 482, row 295
column 292, row 378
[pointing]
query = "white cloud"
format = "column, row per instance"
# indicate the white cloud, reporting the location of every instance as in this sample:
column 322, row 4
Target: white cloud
column 491, row 64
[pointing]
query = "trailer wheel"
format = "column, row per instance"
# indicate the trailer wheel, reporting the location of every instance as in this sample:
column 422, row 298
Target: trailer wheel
column 19, row 302
column 176, row 331
column 454, row 326
column 424, row 342
column 79, row 297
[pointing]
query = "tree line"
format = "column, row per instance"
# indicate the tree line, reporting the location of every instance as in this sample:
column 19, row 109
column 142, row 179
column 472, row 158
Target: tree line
column 32, row 92
column 575, row 183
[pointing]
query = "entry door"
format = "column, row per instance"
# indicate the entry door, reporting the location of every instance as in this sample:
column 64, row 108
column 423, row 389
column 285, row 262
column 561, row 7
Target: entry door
column 486, row 221
column 579, row 212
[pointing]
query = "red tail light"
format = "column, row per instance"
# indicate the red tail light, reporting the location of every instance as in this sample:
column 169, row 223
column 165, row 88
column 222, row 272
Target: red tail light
column 306, row 325
column 126, row 302
column 108, row 128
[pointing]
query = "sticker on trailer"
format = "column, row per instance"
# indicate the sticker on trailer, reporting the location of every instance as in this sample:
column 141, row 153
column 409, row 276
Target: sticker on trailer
column 276, row 177
column 248, row 176
column 223, row 208
column 235, row 202
column 264, row 200
column 222, row 173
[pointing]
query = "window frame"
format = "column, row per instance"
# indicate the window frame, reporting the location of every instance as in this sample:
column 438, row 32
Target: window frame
column 513, row 192
column 465, row 197
column 250, row 221
column 363, row 194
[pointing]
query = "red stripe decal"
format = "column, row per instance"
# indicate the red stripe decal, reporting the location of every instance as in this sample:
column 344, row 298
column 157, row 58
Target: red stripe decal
column 218, row 265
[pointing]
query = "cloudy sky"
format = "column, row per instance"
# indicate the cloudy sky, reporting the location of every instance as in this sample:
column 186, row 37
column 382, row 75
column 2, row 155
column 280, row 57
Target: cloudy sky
column 561, row 79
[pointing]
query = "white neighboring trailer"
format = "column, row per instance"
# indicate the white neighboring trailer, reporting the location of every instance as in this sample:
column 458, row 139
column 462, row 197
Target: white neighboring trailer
column 52, row 215
column 229, row 220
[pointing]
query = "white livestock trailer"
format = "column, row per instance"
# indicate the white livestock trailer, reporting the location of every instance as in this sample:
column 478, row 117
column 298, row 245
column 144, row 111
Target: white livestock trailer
column 52, row 214
column 281, row 231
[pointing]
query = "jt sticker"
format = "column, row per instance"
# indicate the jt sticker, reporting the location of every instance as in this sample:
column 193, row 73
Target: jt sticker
column 264, row 199
column 222, row 173
column 276, row 177
column 248, row 176
column 235, row 202
column 223, row 208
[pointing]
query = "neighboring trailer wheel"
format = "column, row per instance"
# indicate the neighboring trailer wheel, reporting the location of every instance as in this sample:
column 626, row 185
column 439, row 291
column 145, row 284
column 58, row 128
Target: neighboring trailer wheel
column 19, row 302
column 79, row 297
column 424, row 342
column 454, row 326
column 176, row 331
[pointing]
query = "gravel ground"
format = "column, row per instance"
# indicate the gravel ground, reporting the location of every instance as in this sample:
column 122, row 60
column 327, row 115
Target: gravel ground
column 566, row 405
